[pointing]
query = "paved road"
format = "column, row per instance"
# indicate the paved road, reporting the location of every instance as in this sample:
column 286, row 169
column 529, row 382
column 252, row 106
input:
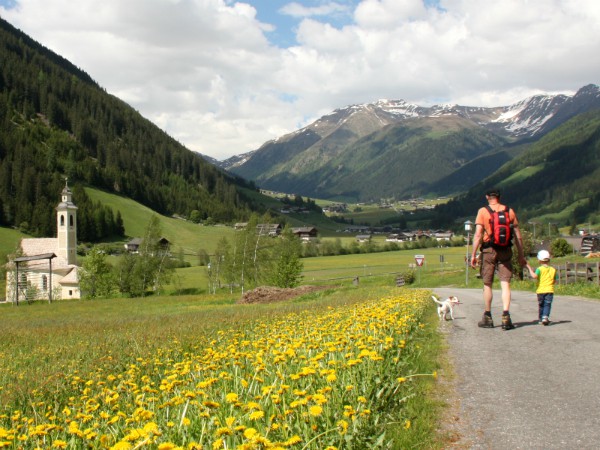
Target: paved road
column 534, row 387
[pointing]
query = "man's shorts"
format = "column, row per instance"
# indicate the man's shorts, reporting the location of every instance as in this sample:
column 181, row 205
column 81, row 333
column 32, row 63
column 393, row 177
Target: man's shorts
column 492, row 258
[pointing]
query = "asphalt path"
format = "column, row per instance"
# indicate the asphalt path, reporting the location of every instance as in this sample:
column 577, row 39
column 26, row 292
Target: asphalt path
column 534, row 387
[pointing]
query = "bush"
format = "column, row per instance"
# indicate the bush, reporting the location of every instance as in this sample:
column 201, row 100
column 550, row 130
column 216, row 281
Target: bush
column 560, row 247
column 409, row 276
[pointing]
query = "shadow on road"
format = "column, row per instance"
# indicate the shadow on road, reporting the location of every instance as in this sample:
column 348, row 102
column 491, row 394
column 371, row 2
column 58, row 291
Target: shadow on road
column 537, row 324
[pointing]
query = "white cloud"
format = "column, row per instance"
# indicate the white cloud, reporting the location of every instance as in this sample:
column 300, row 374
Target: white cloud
column 297, row 9
column 205, row 72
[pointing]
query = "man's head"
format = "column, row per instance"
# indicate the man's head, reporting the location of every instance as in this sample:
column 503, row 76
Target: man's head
column 493, row 193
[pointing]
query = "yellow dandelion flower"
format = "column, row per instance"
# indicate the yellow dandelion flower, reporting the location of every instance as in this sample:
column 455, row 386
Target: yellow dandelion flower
column 401, row 379
column 230, row 421
column 121, row 446
column 255, row 415
column 167, row 446
column 407, row 425
column 232, row 397
column 223, row 431
column 253, row 405
column 59, row 444
column 343, row 426
column 315, row 410
column 293, row 441
column 217, row 444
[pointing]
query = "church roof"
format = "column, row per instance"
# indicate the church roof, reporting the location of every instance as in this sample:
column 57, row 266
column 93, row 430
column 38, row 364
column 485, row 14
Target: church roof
column 72, row 277
column 40, row 246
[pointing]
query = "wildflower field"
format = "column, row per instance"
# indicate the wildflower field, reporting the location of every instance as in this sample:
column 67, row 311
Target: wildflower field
column 331, row 372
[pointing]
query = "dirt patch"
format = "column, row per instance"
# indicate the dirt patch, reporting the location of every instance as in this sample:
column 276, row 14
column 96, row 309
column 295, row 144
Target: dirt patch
column 270, row 294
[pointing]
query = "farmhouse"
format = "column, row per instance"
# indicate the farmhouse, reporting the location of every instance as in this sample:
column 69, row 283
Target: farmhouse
column 133, row 246
column 305, row 234
column 47, row 267
column 263, row 229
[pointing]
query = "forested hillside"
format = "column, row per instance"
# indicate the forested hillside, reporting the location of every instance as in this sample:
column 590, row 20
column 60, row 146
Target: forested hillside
column 557, row 178
column 56, row 122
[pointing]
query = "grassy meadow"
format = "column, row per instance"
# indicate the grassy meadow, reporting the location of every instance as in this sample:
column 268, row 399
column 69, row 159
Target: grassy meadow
column 342, row 368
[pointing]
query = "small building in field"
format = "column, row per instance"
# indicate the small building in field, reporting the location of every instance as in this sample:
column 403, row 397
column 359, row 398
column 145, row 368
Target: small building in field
column 305, row 234
column 133, row 246
column 263, row 229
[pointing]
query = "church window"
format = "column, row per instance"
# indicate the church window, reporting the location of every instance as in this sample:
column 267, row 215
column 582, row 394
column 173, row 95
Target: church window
column 62, row 220
column 71, row 220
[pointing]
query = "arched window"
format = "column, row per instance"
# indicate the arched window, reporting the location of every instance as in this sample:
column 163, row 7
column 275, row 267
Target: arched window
column 62, row 220
column 71, row 220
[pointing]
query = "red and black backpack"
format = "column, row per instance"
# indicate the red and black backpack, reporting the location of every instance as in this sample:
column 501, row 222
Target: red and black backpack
column 501, row 225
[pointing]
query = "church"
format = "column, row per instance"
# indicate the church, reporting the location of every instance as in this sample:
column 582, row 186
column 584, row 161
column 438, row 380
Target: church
column 47, row 267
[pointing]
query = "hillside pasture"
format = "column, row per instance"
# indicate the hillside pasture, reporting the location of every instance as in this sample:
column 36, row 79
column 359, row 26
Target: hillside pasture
column 181, row 233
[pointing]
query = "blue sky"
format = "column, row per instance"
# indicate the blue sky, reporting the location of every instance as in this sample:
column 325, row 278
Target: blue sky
column 225, row 76
column 286, row 16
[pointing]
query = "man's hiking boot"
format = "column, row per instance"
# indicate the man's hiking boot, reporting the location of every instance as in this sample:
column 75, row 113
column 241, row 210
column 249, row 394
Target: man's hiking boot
column 507, row 323
column 486, row 322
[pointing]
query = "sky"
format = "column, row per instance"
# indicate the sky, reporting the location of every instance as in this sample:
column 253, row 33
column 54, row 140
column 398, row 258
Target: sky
column 223, row 76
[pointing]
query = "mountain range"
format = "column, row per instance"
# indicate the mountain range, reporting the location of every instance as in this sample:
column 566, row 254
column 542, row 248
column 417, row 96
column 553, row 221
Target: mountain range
column 395, row 149
column 56, row 122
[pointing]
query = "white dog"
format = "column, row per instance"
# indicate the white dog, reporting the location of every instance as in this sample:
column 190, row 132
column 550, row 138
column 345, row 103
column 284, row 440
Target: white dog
column 446, row 306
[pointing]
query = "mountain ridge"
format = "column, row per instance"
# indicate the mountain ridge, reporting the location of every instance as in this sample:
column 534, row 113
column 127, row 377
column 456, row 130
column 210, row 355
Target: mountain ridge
column 294, row 162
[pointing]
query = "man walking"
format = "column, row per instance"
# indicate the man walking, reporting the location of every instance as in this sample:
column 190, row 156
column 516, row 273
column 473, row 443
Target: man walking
column 495, row 227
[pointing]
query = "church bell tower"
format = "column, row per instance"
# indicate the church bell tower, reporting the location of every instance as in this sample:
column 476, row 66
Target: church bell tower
column 66, row 226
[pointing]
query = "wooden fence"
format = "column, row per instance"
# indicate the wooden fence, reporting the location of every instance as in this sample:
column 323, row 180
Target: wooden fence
column 572, row 273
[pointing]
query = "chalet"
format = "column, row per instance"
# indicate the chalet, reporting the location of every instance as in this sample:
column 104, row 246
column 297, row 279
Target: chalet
column 400, row 237
column 440, row 235
column 263, row 229
column 48, row 267
column 269, row 229
column 305, row 233
column 133, row 246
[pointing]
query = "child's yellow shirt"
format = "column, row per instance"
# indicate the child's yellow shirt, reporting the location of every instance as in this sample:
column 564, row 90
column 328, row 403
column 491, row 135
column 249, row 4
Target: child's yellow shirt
column 546, row 277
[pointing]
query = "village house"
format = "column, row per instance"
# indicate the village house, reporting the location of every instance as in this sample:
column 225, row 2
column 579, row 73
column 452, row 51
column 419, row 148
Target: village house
column 305, row 234
column 133, row 246
column 48, row 267
column 263, row 229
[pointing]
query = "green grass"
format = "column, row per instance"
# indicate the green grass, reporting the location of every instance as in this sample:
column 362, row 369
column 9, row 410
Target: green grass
column 522, row 175
column 182, row 234
column 72, row 357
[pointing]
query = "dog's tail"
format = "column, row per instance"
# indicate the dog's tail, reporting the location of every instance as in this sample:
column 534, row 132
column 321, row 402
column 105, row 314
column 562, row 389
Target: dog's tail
column 436, row 300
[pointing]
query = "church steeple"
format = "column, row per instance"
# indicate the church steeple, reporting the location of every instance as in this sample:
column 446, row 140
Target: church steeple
column 66, row 226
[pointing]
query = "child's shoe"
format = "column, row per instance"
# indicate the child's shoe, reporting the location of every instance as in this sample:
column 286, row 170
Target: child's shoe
column 545, row 321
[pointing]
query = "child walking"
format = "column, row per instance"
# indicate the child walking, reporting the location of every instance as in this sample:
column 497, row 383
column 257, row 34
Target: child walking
column 546, row 276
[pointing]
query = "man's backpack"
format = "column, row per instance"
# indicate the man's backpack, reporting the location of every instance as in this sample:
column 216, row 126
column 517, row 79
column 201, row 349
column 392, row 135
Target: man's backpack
column 501, row 227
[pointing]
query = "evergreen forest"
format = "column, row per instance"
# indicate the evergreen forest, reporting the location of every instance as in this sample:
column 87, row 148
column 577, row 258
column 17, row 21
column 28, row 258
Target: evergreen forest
column 57, row 123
